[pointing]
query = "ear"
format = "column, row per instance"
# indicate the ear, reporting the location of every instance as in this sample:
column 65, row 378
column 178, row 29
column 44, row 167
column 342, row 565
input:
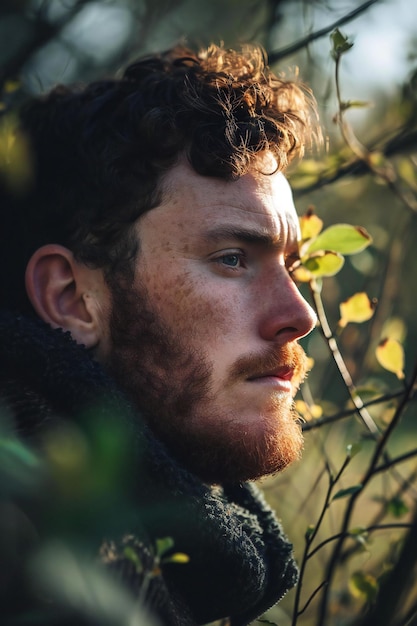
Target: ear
column 67, row 294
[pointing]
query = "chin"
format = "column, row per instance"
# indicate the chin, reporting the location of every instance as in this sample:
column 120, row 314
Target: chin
column 242, row 455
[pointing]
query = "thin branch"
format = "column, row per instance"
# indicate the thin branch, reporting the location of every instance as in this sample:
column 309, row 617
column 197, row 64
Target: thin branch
column 298, row 589
column 330, row 419
column 311, row 598
column 395, row 461
column 379, row 451
column 379, row 516
column 318, row 34
column 309, row 538
column 368, row 529
column 391, row 598
column 357, row 167
column 344, row 372
column 384, row 170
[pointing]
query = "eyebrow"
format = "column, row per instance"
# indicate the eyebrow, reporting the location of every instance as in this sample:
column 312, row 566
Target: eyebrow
column 247, row 235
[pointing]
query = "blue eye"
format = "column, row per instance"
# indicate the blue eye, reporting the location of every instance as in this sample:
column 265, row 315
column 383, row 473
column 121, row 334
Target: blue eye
column 232, row 260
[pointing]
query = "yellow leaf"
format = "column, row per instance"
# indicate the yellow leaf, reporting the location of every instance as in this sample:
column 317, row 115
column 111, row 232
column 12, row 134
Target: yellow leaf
column 394, row 328
column 15, row 157
column 301, row 275
column 308, row 411
column 178, row 557
column 377, row 159
column 309, row 363
column 11, row 85
column 323, row 263
column 310, row 225
column 390, row 355
column 316, row 411
column 358, row 308
column 363, row 585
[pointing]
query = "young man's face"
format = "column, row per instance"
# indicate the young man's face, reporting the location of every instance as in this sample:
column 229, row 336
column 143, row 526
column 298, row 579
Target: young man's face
column 206, row 341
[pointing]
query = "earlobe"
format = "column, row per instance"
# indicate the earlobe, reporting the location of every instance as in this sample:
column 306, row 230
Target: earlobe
column 59, row 290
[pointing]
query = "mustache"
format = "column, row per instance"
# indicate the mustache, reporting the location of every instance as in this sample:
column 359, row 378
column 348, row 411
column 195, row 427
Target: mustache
column 255, row 364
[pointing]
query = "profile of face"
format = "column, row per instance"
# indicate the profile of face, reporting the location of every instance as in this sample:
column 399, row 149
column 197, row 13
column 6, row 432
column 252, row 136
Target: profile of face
column 205, row 342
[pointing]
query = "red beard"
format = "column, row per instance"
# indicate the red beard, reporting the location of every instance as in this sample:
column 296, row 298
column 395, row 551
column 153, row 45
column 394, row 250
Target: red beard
column 169, row 381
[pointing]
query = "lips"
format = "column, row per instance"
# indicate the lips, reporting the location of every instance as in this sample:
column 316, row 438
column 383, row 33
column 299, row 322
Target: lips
column 284, row 366
column 285, row 372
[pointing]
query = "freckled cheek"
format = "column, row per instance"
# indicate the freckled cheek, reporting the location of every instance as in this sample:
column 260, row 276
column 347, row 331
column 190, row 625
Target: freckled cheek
column 195, row 309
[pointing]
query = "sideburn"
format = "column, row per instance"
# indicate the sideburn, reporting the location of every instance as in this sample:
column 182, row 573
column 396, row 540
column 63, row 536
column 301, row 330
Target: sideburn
column 163, row 376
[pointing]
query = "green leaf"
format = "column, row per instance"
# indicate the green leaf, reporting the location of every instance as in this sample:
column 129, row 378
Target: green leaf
column 323, row 263
column 352, row 449
column 364, row 586
column 133, row 556
column 356, row 104
column 309, row 531
column 360, row 535
column 397, row 507
column 341, row 238
column 358, row 530
column 163, row 545
column 343, row 493
column 361, row 539
column 340, row 42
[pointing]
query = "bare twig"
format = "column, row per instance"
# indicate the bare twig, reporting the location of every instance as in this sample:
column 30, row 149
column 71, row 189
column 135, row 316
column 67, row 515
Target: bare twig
column 378, row 453
column 377, row 519
column 368, row 529
column 391, row 596
column 384, row 170
column 403, row 140
column 330, row 419
column 311, row 598
column 309, row 538
column 277, row 55
column 344, row 372
column 395, row 461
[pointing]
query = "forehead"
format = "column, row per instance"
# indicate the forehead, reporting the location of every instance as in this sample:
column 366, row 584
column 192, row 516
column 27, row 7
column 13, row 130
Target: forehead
column 195, row 203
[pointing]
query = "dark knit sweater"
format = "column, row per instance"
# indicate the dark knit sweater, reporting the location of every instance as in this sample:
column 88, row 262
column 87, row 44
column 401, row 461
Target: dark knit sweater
column 240, row 563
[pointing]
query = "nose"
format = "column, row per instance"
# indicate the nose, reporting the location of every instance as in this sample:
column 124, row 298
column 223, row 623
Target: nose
column 287, row 316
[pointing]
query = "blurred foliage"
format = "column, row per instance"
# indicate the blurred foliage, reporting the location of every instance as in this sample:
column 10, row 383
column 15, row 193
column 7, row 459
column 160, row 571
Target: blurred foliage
column 350, row 506
column 54, row 512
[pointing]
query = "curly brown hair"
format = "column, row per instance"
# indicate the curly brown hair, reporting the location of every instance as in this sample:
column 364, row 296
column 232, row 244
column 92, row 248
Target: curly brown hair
column 99, row 152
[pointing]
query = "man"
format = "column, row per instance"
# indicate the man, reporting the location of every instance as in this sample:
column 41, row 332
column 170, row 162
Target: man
column 158, row 232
